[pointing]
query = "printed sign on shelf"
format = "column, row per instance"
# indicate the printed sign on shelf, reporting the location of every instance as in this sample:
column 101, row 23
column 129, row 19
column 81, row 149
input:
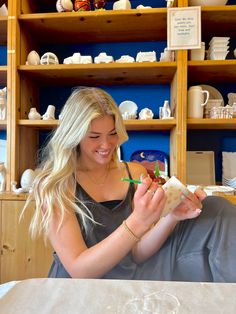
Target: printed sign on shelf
column 184, row 28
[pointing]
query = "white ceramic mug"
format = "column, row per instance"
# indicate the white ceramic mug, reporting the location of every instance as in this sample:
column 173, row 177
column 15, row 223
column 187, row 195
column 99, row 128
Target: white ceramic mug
column 198, row 54
column 196, row 101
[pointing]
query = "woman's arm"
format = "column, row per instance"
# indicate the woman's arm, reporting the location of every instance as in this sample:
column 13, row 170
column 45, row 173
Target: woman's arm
column 83, row 262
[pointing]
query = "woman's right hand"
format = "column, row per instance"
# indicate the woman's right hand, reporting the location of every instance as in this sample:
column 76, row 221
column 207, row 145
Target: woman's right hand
column 148, row 203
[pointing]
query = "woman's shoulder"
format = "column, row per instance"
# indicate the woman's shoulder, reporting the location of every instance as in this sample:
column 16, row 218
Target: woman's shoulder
column 136, row 169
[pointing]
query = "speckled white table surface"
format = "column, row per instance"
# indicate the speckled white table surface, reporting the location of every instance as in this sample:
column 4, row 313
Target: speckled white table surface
column 87, row 296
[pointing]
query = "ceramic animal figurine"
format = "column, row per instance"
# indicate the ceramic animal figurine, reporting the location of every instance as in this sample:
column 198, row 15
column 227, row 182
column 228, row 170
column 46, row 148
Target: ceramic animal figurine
column 34, row 115
column 26, row 182
column 99, row 4
column 78, row 59
column 140, row 6
column 125, row 59
column 148, row 56
column 82, row 5
column 33, row 58
column 3, row 103
column 3, row 172
column 64, row 6
column 122, row 5
column 49, row 58
column 146, row 114
column 103, row 58
column 50, row 113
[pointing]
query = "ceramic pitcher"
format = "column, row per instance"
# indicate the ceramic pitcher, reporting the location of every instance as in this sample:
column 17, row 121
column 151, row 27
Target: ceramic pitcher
column 196, row 101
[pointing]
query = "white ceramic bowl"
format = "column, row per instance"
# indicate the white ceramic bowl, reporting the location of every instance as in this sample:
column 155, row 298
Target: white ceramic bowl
column 207, row 2
column 218, row 55
column 219, row 51
column 219, row 40
column 218, row 48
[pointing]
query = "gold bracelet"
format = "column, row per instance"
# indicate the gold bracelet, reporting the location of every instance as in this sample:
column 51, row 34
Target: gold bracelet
column 136, row 238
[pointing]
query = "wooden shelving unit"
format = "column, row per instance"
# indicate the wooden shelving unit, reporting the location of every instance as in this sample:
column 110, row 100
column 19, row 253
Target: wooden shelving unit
column 30, row 29
column 114, row 26
column 97, row 74
column 27, row 30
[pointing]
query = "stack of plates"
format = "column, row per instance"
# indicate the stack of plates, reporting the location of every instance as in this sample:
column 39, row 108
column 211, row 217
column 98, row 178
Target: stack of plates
column 229, row 169
column 218, row 48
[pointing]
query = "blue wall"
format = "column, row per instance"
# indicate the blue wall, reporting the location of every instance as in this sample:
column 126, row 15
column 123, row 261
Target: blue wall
column 3, row 55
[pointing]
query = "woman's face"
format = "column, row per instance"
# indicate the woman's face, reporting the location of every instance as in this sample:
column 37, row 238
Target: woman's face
column 100, row 142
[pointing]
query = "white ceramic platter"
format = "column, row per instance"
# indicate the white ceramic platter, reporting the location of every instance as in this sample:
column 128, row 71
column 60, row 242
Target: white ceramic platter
column 128, row 106
column 214, row 93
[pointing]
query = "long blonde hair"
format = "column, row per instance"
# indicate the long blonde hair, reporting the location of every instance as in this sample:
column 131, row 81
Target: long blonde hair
column 56, row 181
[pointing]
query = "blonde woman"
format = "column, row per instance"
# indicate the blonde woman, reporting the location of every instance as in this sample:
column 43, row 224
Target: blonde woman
column 103, row 227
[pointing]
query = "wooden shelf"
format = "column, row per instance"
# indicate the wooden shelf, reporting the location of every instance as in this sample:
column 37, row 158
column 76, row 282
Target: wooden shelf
column 131, row 125
column 3, row 75
column 155, row 124
column 218, row 21
column 97, row 74
column 114, row 26
column 3, row 30
column 39, row 124
column 13, row 196
column 214, row 71
column 211, row 124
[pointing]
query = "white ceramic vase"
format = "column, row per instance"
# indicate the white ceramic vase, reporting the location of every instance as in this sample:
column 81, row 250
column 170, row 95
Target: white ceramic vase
column 27, row 179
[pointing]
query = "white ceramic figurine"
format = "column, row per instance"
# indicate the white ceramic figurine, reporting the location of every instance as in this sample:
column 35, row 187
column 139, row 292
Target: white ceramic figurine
column 3, row 103
column 26, row 182
column 3, row 172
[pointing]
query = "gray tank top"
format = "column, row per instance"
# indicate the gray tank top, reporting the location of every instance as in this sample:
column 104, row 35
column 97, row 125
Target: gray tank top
column 108, row 220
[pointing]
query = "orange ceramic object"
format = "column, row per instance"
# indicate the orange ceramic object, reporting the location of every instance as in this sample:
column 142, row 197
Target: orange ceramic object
column 82, row 5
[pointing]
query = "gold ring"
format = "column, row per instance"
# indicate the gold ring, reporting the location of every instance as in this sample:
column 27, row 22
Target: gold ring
column 150, row 191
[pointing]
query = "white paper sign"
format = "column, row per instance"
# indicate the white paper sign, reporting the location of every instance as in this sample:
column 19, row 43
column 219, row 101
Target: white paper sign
column 184, row 28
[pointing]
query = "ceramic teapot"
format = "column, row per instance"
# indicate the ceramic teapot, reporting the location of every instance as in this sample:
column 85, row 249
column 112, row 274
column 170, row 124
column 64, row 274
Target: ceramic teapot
column 196, row 101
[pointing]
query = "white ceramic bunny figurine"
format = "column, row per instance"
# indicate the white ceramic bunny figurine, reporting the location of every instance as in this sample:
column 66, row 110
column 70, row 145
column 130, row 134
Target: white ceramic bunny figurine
column 3, row 172
column 3, row 103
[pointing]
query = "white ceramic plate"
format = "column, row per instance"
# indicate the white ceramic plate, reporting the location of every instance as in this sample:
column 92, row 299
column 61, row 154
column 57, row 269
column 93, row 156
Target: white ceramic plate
column 210, row 189
column 128, row 106
column 214, row 93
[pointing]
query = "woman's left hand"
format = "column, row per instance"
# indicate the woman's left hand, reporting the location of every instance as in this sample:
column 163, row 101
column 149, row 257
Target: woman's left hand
column 190, row 207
